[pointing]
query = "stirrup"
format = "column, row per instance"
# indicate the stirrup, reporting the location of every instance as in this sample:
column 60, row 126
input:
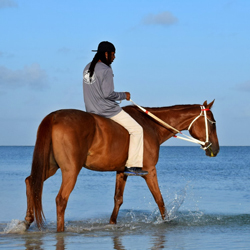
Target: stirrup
column 134, row 171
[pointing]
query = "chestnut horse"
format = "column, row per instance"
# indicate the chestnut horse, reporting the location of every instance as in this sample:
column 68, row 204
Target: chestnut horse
column 71, row 139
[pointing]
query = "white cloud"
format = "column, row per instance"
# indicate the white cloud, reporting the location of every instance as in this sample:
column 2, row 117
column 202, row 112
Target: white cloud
column 165, row 18
column 245, row 87
column 8, row 4
column 32, row 76
column 6, row 55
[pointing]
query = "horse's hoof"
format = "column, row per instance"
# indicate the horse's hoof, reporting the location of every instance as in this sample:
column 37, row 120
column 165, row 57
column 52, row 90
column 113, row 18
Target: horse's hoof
column 22, row 226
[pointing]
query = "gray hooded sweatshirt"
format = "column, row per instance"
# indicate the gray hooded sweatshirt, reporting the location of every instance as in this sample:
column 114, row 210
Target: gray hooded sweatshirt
column 98, row 91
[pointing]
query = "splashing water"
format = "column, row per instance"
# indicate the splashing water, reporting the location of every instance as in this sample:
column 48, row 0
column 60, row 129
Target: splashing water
column 15, row 226
column 175, row 204
column 171, row 209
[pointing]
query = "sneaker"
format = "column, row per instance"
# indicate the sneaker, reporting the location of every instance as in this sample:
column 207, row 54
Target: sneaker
column 135, row 171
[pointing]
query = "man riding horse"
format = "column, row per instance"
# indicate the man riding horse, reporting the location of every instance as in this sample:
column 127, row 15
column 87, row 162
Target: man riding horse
column 70, row 139
column 100, row 98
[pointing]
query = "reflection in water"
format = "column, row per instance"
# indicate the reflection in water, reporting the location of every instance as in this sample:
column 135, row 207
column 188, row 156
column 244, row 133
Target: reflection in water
column 158, row 240
column 37, row 241
column 42, row 242
column 153, row 235
column 33, row 243
column 60, row 245
column 118, row 243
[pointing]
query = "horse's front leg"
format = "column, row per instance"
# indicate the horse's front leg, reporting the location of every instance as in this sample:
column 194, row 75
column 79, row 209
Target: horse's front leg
column 152, row 182
column 118, row 199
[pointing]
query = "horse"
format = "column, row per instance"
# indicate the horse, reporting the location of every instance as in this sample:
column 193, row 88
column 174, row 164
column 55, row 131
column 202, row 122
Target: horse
column 70, row 139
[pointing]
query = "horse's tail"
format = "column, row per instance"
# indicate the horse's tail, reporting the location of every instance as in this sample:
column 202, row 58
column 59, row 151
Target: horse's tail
column 40, row 166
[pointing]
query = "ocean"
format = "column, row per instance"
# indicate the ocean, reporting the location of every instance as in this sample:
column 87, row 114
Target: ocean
column 208, row 200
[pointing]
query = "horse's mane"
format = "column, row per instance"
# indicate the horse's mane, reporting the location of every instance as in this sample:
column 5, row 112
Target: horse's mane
column 177, row 107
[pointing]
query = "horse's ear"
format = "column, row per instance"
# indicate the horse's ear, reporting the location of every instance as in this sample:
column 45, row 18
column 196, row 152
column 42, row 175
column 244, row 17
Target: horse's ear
column 205, row 104
column 209, row 106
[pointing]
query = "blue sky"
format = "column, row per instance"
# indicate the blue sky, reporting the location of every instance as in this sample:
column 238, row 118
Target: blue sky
column 167, row 52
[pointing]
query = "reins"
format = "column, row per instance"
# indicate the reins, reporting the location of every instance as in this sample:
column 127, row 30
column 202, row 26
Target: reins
column 186, row 137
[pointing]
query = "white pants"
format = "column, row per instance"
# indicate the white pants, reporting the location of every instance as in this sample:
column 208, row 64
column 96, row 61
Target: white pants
column 135, row 151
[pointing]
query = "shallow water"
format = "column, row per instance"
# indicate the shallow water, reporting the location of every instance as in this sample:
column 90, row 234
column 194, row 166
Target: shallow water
column 208, row 200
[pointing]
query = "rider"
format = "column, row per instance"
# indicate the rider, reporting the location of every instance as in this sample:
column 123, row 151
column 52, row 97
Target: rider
column 100, row 98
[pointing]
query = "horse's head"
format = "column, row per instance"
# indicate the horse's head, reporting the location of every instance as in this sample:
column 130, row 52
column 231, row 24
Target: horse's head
column 203, row 128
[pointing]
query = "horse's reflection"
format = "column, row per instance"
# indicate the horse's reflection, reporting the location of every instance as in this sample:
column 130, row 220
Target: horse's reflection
column 60, row 245
column 34, row 243
column 118, row 243
column 37, row 243
column 158, row 241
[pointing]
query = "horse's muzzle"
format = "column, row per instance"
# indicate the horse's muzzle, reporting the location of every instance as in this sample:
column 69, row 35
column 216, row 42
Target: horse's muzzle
column 211, row 151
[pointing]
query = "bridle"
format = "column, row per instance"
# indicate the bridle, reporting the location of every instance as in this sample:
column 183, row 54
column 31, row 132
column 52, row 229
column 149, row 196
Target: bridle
column 187, row 137
column 203, row 113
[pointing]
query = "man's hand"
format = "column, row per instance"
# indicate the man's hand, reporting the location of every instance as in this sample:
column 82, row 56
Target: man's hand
column 127, row 96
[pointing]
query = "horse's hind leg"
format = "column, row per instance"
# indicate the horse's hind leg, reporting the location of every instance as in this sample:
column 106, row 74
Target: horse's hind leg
column 68, row 183
column 118, row 199
column 152, row 182
column 29, row 218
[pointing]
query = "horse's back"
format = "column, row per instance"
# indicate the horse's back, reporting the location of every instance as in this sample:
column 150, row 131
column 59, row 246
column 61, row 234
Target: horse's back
column 72, row 122
column 89, row 140
column 109, row 150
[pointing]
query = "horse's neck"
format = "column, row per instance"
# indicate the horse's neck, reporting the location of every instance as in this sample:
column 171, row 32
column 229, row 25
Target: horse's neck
column 179, row 117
